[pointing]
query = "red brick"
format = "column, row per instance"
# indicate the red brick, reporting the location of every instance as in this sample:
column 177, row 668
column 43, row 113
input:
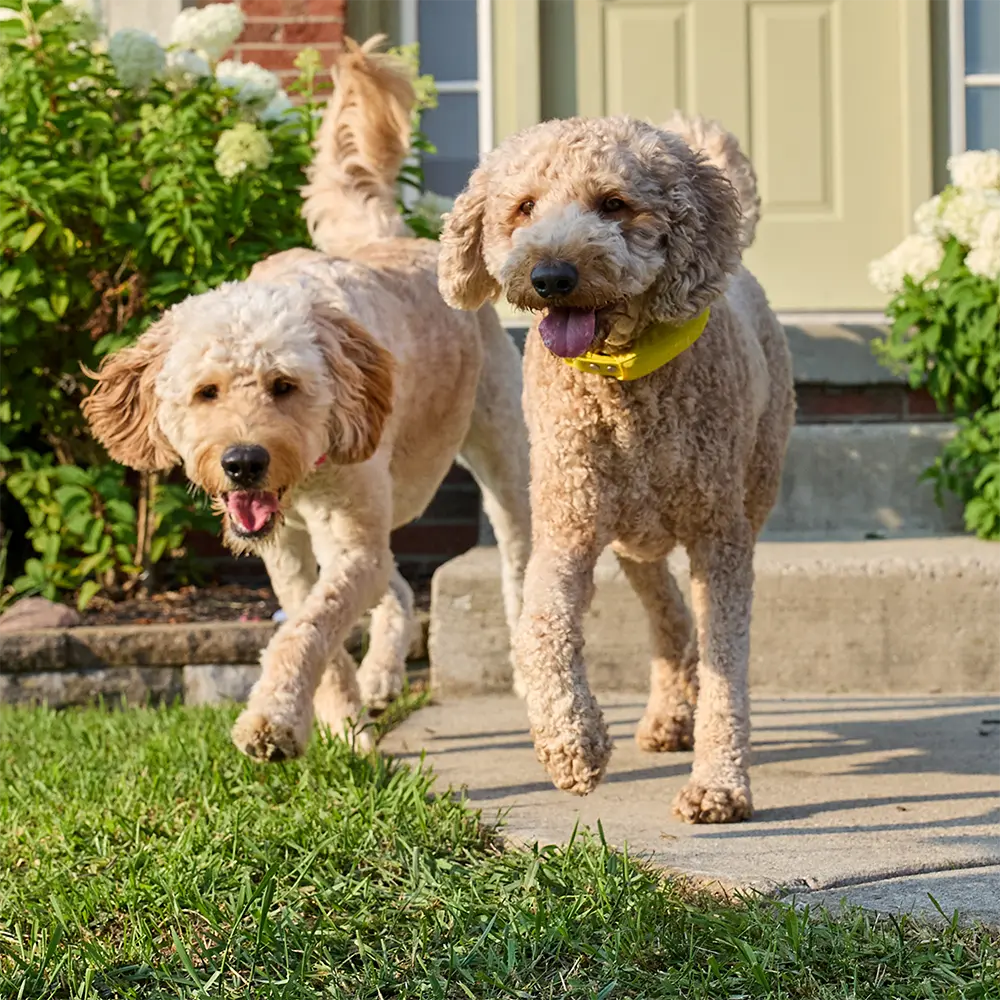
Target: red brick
column 262, row 8
column 441, row 540
column 920, row 405
column 282, row 57
column 324, row 8
column 262, row 31
column 822, row 403
column 313, row 32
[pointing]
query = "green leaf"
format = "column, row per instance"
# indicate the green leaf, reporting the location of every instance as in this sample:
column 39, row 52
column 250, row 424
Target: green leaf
column 31, row 235
column 89, row 589
column 9, row 281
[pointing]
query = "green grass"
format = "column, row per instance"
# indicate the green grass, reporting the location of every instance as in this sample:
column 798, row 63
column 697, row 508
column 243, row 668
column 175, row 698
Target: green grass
column 142, row 856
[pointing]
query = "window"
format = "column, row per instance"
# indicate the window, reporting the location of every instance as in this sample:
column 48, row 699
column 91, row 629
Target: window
column 455, row 39
column 974, row 39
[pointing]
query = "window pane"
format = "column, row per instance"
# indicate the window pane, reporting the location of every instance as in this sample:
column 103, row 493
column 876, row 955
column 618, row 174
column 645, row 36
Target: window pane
column 447, row 33
column 982, row 36
column 982, row 117
column 453, row 127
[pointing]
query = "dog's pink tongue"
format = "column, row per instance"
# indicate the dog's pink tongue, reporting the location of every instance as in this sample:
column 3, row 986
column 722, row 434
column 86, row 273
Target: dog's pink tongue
column 251, row 509
column 568, row 332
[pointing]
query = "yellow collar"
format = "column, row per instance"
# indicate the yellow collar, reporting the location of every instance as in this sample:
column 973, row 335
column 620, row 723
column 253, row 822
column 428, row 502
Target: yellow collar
column 655, row 346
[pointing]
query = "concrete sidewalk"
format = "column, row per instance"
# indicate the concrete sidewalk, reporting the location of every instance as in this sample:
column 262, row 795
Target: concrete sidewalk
column 877, row 800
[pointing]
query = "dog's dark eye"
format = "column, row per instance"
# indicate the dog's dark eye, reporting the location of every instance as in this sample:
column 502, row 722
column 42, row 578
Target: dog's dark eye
column 208, row 392
column 526, row 207
column 610, row 206
column 282, row 387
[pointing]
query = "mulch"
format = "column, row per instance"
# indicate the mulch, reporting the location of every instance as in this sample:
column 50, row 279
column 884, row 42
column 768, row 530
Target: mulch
column 186, row 605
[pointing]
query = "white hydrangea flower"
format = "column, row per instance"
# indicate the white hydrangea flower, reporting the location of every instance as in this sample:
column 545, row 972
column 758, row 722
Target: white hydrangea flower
column 255, row 86
column 211, row 30
column 988, row 236
column 185, row 67
column 984, row 261
column 136, row 56
column 242, row 146
column 916, row 257
column 927, row 218
column 278, row 109
column 976, row 170
column 963, row 214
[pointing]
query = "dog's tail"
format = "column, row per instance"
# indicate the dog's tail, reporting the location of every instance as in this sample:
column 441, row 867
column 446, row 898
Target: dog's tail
column 723, row 151
column 350, row 199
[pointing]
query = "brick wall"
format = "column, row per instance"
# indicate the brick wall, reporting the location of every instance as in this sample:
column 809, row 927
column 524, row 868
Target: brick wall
column 277, row 30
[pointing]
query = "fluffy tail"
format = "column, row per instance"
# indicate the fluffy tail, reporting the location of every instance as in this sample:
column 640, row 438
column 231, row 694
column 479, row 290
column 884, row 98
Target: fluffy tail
column 721, row 149
column 350, row 199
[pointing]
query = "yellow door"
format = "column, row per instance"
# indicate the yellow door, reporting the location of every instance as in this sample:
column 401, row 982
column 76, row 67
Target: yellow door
column 831, row 99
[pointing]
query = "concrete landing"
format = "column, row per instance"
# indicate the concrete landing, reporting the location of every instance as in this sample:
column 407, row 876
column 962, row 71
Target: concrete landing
column 877, row 800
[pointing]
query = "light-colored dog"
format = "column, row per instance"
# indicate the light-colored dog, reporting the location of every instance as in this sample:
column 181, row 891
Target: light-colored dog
column 659, row 401
column 320, row 404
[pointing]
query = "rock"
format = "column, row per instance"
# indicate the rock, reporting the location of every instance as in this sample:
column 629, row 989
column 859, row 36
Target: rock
column 115, row 685
column 214, row 683
column 32, row 613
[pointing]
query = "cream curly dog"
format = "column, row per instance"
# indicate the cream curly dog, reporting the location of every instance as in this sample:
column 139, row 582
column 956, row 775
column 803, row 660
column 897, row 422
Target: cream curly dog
column 645, row 431
column 320, row 404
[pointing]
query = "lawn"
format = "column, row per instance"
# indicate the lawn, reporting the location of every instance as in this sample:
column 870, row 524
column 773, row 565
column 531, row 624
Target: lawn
column 142, row 856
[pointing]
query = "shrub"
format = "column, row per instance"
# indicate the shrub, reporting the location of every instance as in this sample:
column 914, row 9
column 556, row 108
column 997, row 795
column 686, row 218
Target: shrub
column 945, row 311
column 130, row 178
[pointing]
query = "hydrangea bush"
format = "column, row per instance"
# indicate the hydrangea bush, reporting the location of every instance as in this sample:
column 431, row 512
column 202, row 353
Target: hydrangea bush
column 131, row 176
column 944, row 280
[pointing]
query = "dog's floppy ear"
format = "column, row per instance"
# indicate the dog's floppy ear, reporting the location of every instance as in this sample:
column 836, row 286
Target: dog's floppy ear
column 463, row 279
column 701, row 230
column 361, row 376
column 121, row 408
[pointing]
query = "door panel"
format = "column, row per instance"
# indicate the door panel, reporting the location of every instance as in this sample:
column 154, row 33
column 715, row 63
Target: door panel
column 831, row 99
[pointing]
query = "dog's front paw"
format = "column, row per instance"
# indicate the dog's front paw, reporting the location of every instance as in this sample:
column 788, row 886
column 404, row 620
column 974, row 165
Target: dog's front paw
column 379, row 686
column 714, row 804
column 267, row 740
column 666, row 730
column 575, row 759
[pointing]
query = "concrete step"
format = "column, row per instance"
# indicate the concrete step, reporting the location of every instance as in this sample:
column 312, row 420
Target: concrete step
column 915, row 615
column 863, row 479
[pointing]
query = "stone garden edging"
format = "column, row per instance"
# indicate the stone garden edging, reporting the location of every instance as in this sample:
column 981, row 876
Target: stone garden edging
column 198, row 663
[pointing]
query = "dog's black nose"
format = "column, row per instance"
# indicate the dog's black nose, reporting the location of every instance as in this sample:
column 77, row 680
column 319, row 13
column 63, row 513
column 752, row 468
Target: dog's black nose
column 245, row 464
column 554, row 277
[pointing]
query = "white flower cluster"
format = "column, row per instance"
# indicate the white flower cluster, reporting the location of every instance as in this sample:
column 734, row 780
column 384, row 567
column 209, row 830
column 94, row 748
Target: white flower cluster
column 186, row 67
column 136, row 56
column 255, row 86
column 916, row 257
column 240, row 147
column 210, row 30
column 968, row 210
column 976, row 170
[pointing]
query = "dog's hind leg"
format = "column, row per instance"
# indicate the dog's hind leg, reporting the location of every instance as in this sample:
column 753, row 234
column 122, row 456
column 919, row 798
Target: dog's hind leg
column 495, row 451
column 668, row 722
column 384, row 666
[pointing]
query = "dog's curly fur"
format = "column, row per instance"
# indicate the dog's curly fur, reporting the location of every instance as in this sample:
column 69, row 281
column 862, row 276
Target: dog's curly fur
column 362, row 386
column 654, row 221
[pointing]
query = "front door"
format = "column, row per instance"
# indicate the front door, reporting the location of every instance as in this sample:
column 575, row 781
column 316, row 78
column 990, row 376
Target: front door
column 830, row 98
